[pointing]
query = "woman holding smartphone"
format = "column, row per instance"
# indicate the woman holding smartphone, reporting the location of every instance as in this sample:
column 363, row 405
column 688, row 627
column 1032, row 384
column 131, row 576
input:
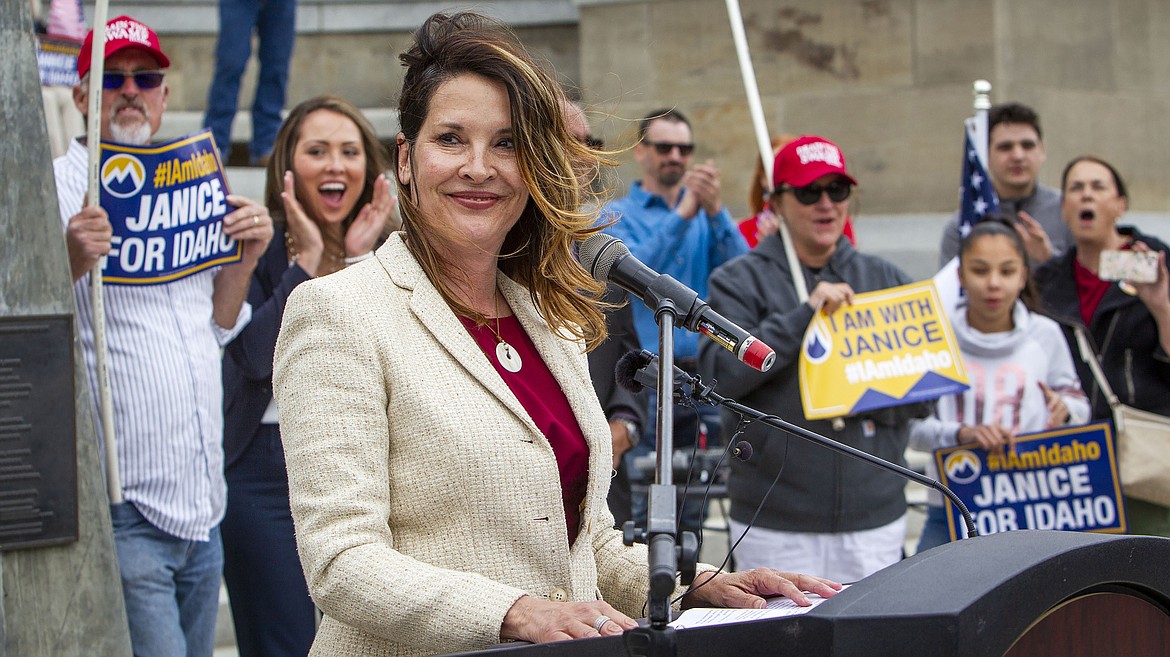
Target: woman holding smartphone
column 1128, row 320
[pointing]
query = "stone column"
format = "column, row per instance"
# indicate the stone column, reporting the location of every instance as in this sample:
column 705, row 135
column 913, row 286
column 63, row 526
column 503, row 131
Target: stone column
column 67, row 599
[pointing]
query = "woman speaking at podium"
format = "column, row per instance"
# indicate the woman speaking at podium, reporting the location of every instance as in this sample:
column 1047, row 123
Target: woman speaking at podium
column 448, row 460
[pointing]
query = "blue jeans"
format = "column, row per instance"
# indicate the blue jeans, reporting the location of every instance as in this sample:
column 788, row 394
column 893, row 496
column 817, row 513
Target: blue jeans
column 274, row 22
column 171, row 586
column 935, row 531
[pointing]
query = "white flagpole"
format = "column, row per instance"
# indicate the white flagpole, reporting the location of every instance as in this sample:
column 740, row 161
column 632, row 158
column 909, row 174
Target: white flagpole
column 97, row 300
column 982, row 102
column 763, row 141
column 946, row 281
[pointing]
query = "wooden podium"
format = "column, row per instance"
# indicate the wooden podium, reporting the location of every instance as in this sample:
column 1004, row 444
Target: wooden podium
column 1020, row 593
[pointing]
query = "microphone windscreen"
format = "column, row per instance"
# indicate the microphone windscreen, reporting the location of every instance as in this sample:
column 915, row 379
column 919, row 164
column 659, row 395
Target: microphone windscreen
column 742, row 450
column 627, row 367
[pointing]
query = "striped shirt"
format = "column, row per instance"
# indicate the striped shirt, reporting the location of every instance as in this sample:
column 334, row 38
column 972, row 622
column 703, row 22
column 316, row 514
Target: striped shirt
column 165, row 380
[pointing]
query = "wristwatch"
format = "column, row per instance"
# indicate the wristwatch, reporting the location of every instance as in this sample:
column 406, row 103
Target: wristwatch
column 631, row 430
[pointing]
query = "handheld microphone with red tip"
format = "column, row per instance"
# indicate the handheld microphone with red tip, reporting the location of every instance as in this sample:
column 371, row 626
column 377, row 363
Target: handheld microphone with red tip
column 607, row 259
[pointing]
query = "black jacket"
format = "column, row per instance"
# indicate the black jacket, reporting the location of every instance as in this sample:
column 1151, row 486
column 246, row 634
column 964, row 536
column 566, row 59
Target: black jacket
column 247, row 360
column 1124, row 332
column 623, row 338
column 819, row 490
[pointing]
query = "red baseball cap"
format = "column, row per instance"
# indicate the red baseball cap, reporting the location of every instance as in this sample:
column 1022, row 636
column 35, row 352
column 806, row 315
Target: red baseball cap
column 121, row 33
column 804, row 160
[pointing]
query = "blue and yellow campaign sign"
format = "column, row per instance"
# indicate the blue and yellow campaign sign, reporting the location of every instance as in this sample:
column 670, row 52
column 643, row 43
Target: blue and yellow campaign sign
column 166, row 203
column 1062, row 479
column 890, row 347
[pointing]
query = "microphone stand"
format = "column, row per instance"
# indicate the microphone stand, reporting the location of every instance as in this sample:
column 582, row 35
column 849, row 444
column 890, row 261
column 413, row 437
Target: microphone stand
column 665, row 555
column 706, row 394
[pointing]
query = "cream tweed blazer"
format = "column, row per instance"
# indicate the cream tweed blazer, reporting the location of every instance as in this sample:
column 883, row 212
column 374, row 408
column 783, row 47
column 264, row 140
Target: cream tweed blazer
column 425, row 499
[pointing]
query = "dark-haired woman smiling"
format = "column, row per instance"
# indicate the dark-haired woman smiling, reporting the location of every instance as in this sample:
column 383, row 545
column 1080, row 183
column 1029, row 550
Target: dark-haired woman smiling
column 448, row 460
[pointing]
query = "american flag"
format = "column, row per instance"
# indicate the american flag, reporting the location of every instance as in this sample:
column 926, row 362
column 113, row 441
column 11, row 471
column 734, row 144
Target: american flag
column 977, row 196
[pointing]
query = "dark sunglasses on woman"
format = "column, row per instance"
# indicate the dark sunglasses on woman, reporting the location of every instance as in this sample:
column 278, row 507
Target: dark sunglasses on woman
column 838, row 191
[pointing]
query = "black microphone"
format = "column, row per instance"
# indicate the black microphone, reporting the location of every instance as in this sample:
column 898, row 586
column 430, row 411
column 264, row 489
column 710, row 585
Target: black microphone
column 608, row 260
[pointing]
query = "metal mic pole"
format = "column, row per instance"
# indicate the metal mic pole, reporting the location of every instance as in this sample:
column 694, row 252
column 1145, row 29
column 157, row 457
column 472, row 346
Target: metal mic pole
column 661, row 515
column 658, row 640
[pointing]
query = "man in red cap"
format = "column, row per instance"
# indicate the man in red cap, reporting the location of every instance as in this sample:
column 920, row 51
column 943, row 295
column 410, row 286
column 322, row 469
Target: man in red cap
column 829, row 515
column 164, row 364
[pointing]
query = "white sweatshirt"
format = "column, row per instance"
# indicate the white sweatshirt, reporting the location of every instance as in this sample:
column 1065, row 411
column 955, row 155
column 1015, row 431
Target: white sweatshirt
column 1005, row 371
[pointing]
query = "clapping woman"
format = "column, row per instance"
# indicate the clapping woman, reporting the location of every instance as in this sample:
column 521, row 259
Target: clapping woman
column 331, row 205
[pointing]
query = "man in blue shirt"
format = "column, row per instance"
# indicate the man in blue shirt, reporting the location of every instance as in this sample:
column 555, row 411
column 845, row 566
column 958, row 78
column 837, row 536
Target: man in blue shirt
column 674, row 220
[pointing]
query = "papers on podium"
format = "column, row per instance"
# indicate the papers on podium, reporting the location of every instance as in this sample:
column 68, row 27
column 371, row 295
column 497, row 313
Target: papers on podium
column 777, row 608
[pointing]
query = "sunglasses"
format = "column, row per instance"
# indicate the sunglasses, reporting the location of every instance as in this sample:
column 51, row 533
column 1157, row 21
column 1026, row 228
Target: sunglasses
column 664, row 147
column 112, row 80
column 838, row 190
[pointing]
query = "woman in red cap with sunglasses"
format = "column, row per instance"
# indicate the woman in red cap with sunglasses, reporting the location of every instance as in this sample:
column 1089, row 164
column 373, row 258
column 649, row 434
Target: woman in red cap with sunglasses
column 762, row 221
column 828, row 514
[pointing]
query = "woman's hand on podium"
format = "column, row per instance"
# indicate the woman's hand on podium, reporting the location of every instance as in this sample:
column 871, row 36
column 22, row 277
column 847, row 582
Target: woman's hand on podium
column 748, row 589
column 540, row 621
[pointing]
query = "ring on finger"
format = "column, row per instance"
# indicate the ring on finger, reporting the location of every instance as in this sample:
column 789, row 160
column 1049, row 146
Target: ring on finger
column 601, row 621
column 255, row 220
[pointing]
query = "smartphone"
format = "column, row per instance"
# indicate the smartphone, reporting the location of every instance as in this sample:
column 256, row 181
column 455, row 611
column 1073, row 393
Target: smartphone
column 1132, row 266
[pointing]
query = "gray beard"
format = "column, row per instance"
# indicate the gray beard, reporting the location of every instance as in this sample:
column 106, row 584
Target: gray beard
column 135, row 135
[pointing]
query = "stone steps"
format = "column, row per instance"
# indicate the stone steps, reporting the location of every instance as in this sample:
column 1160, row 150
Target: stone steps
column 343, row 16
column 179, row 123
column 247, row 181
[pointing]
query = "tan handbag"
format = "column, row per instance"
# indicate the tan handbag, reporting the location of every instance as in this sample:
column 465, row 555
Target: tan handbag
column 1143, row 439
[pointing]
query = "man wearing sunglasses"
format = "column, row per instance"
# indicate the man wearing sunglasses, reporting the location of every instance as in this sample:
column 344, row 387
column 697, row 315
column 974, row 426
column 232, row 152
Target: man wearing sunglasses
column 828, row 514
column 165, row 368
column 673, row 220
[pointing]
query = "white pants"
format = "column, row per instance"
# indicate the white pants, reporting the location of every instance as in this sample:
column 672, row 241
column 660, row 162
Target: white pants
column 844, row 557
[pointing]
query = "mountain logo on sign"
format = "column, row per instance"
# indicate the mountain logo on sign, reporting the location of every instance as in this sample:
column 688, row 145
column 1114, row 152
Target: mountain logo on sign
column 818, row 346
column 123, row 175
column 962, row 467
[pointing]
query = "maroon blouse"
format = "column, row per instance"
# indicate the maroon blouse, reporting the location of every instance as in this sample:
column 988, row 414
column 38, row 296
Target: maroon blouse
column 541, row 395
column 1090, row 290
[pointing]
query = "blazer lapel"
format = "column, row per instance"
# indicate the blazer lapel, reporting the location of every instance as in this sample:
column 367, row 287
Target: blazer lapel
column 563, row 358
column 434, row 315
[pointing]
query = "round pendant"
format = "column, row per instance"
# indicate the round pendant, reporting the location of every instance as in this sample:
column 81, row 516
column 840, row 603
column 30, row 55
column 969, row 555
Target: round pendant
column 509, row 359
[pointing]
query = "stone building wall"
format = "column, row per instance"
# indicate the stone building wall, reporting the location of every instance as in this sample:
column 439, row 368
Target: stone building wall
column 890, row 81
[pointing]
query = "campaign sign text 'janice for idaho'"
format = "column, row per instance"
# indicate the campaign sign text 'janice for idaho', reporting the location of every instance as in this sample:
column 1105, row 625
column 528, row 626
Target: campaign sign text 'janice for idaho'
column 889, row 347
column 166, row 203
column 1063, row 479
